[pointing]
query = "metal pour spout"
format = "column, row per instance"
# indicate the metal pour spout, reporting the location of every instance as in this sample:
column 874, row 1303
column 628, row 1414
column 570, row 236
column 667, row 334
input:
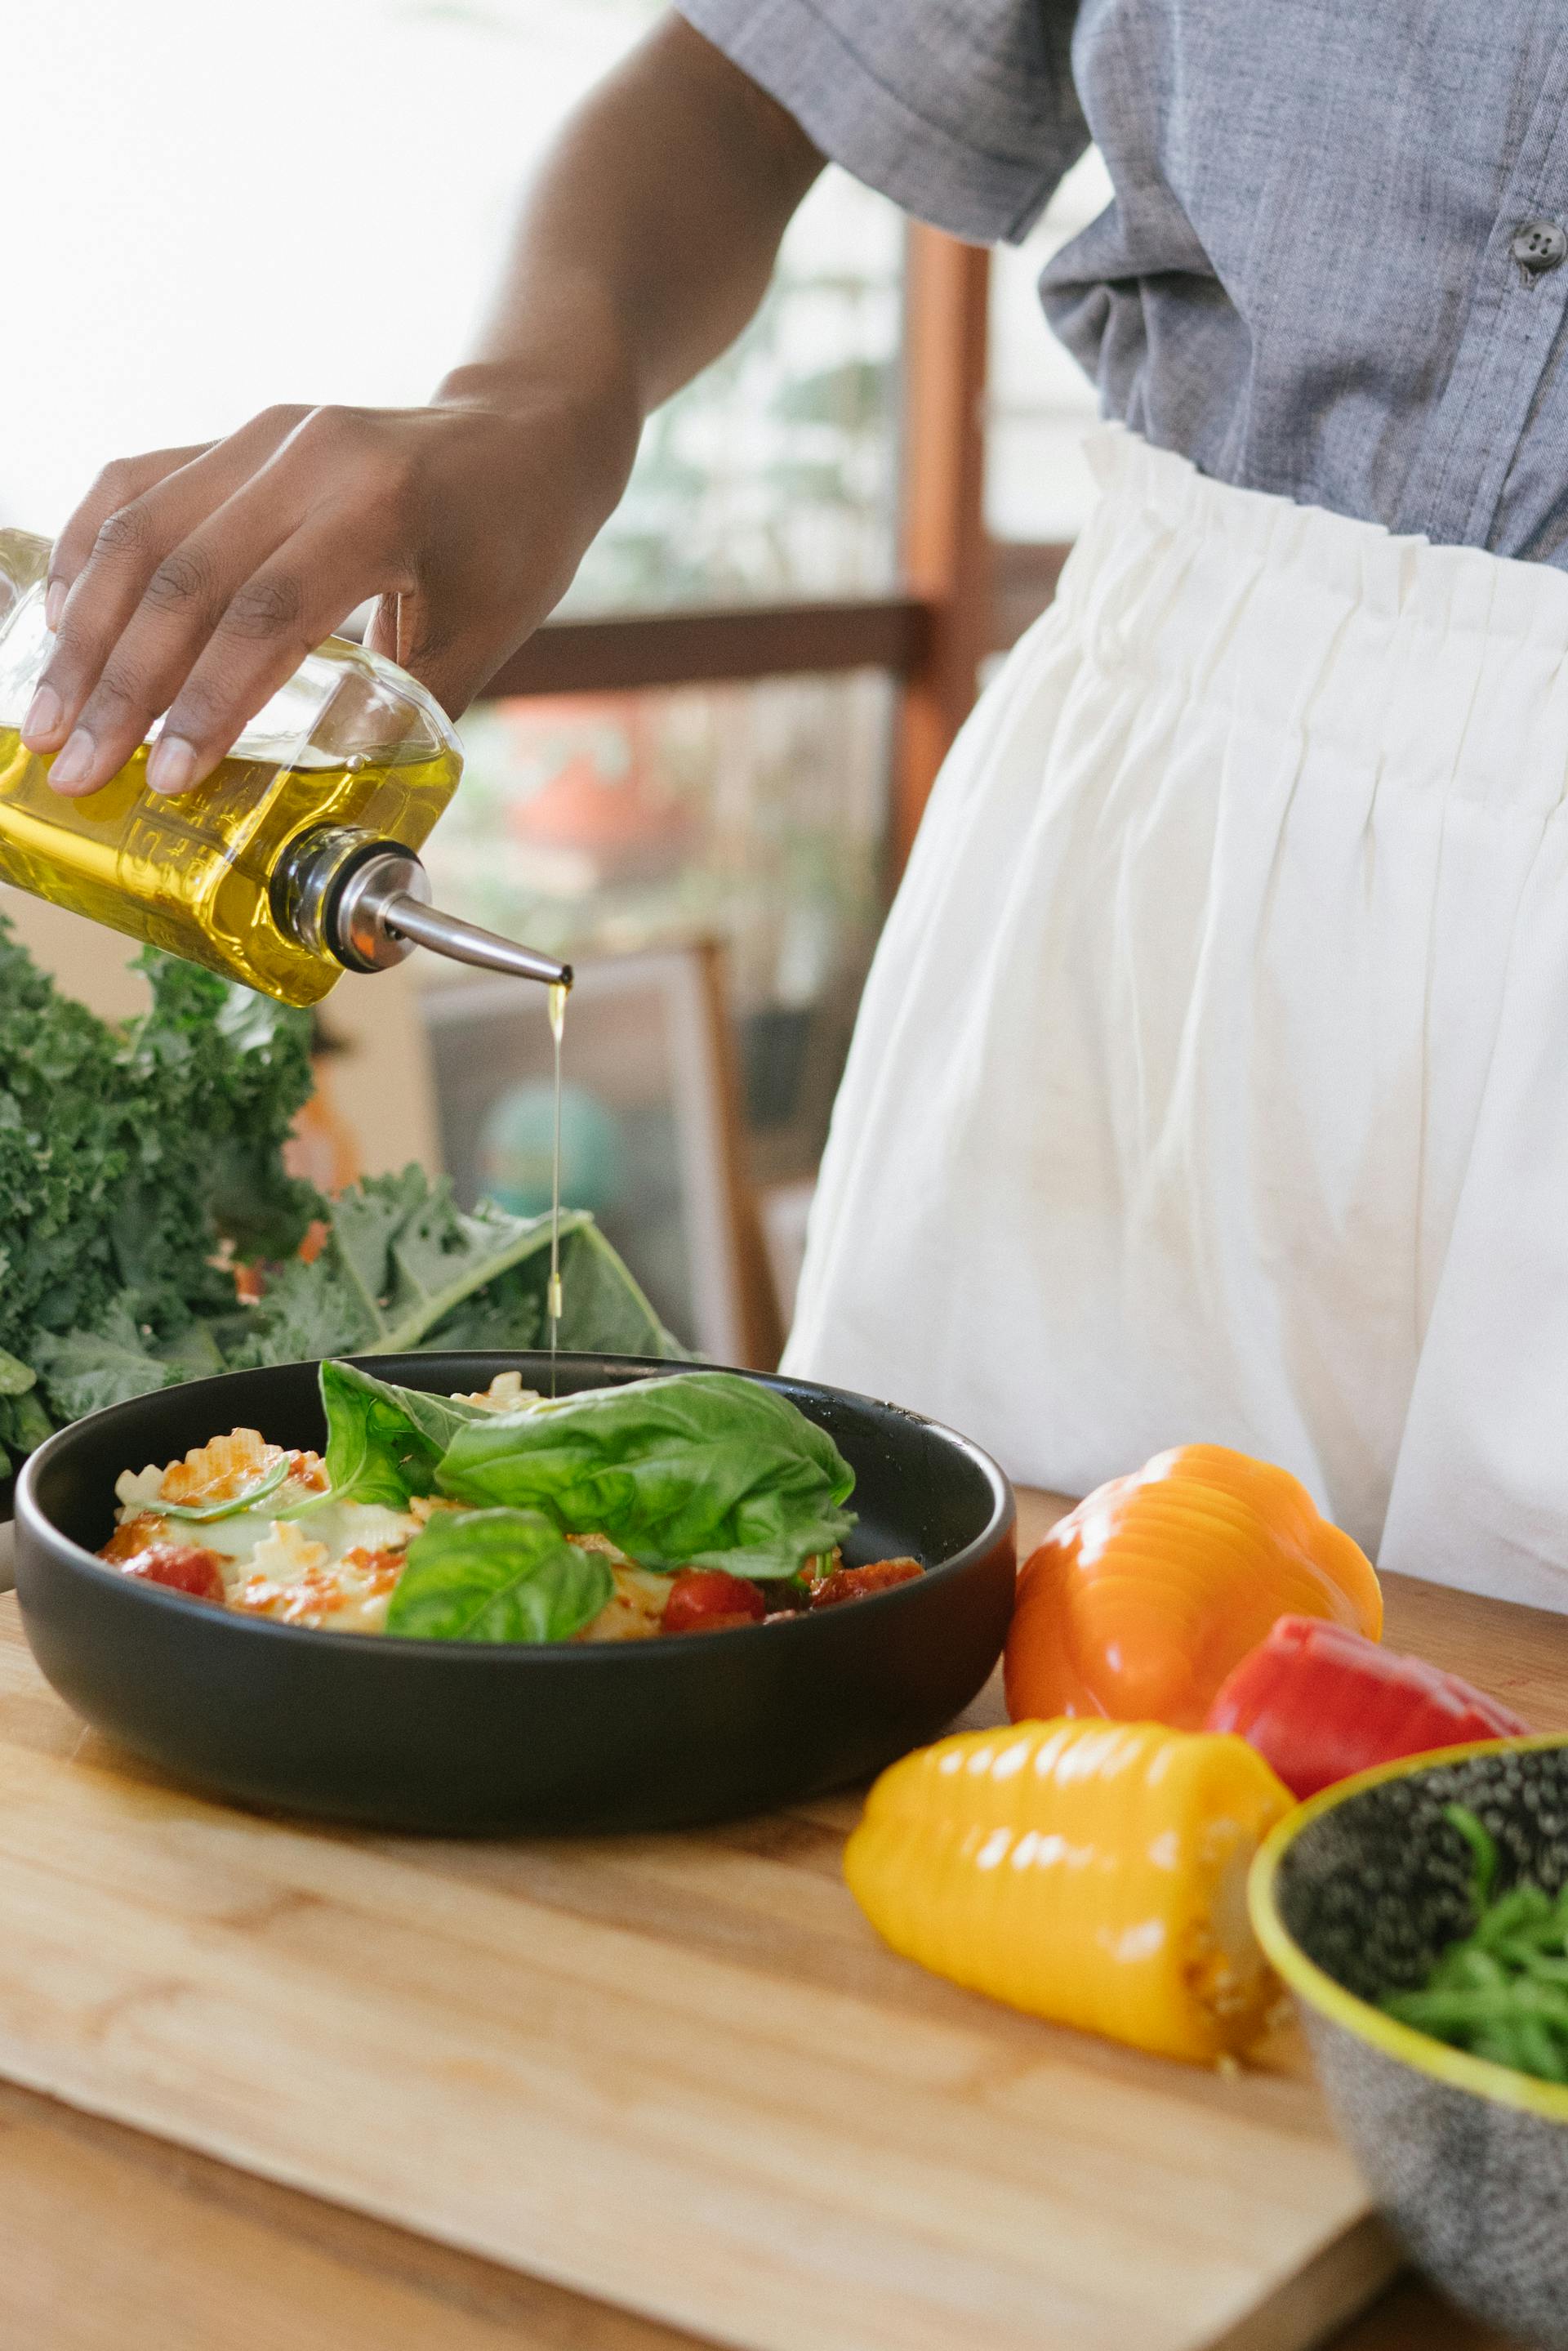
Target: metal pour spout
column 367, row 902
column 407, row 918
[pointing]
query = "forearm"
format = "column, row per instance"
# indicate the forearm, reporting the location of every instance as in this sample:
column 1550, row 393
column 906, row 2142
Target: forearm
column 193, row 580
column 645, row 243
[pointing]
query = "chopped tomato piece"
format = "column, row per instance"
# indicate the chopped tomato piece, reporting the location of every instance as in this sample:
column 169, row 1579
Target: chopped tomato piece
column 180, row 1567
column 859, row 1583
column 709, row 1600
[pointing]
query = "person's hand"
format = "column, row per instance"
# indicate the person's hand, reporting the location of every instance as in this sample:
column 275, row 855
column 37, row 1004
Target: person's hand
column 195, row 581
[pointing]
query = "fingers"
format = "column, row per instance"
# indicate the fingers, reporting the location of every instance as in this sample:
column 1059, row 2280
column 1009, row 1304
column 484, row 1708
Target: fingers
column 452, row 660
column 448, row 662
column 278, row 614
column 147, row 558
column 141, row 643
column 388, row 632
column 198, row 581
column 118, row 484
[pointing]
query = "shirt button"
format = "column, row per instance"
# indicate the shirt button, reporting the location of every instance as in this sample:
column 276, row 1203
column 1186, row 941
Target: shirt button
column 1539, row 245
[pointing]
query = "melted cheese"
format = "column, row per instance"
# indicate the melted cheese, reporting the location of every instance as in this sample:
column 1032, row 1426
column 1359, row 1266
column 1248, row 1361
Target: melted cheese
column 635, row 1610
column 336, row 1568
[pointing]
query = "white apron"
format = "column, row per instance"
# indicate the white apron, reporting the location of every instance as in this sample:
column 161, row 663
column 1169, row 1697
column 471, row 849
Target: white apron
column 1211, row 1080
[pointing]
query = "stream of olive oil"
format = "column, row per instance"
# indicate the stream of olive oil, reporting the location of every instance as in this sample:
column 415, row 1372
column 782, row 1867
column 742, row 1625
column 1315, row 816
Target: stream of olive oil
column 553, row 1299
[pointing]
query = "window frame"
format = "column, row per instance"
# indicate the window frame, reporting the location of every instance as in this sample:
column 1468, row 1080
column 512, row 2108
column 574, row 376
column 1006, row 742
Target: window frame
column 960, row 597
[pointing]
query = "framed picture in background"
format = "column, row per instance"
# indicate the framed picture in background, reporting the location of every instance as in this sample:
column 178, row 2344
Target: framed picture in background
column 651, row 1134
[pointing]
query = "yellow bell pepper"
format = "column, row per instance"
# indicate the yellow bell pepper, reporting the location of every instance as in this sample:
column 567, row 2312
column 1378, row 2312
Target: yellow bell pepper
column 1090, row 1872
column 1141, row 1601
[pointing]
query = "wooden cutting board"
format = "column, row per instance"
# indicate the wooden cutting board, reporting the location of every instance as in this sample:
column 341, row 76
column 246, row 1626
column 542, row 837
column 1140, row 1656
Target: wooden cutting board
column 678, row 2073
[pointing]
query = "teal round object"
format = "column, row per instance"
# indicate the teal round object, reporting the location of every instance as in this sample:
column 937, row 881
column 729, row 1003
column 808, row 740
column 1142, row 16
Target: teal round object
column 516, row 1140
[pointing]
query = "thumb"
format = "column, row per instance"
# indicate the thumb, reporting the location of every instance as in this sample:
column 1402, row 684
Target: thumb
column 387, row 633
column 450, row 663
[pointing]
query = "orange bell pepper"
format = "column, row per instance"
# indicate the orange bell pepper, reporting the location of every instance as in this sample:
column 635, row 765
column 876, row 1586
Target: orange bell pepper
column 1095, row 1872
column 1141, row 1601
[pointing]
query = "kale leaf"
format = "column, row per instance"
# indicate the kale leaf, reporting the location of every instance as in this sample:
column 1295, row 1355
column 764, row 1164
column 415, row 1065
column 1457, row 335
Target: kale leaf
column 404, row 1266
column 129, row 1156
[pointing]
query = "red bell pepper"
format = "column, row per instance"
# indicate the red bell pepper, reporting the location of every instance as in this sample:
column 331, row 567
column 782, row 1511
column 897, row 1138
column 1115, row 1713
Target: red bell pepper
column 1319, row 1701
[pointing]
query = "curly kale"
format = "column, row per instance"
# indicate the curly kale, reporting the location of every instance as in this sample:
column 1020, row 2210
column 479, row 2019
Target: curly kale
column 132, row 1160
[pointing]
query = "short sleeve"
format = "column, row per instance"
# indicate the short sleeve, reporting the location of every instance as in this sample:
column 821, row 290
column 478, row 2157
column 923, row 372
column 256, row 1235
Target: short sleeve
column 964, row 111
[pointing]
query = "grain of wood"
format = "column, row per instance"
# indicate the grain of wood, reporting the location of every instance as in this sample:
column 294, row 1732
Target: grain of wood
column 539, row 2052
column 542, row 2053
column 113, row 2240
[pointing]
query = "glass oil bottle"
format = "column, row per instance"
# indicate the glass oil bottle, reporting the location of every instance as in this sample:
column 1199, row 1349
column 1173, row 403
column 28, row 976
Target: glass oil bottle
column 296, row 861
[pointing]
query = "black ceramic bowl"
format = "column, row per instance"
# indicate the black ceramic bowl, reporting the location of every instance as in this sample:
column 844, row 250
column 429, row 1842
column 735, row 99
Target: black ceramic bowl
column 1356, row 1894
column 470, row 1738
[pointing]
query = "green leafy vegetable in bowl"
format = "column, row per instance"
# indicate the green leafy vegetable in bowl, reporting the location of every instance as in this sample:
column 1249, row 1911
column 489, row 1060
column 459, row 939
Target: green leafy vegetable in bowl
column 140, row 1163
column 1502, row 1991
column 699, row 1469
column 497, row 1575
column 677, row 1503
column 385, row 1443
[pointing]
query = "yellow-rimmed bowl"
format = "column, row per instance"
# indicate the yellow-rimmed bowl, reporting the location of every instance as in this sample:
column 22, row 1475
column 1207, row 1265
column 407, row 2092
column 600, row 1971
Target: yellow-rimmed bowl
column 1354, row 1894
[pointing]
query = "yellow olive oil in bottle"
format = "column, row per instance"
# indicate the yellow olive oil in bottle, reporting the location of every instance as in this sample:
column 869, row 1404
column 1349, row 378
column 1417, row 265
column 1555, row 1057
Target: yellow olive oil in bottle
column 293, row 862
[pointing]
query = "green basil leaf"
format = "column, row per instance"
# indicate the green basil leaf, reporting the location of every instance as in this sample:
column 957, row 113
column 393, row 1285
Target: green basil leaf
column 383, row 1443
column 693, row 1470
column 271, row 1478
column 496, row 1575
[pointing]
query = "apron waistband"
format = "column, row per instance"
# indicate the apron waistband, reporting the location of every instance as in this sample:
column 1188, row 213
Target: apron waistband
column 1318, row 623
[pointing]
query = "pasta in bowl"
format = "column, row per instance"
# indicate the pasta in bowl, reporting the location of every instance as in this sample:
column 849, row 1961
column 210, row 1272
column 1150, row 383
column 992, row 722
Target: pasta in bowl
column 462, row 1716
column 688, row 1502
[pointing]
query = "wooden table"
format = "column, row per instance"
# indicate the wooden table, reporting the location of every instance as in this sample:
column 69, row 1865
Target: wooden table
column 112, row 2240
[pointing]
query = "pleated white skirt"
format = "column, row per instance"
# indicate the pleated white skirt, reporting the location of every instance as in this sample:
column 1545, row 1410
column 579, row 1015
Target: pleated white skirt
column 1211, row 1080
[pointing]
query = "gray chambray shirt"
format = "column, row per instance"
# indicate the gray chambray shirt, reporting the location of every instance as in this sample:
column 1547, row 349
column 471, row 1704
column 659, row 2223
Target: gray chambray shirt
column 1332, row 265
